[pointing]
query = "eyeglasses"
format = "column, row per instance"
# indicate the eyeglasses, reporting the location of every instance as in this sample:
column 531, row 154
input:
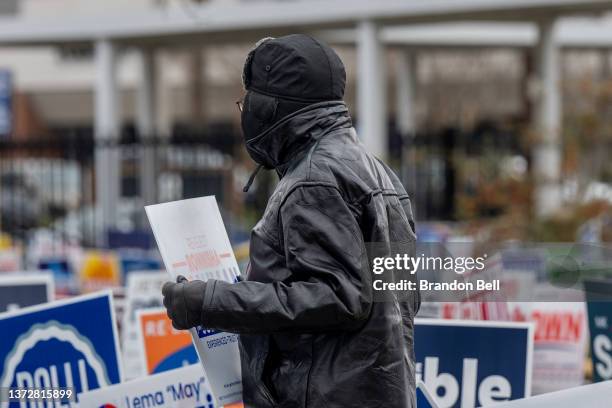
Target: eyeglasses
column 240, row 104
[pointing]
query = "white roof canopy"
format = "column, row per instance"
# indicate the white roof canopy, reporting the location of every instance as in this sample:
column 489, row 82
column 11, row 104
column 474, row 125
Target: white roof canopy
column 216, row 22
column 571, row 33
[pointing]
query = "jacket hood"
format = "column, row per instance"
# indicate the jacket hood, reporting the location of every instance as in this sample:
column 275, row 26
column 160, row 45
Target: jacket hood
column 295, row 67
column 279, row 145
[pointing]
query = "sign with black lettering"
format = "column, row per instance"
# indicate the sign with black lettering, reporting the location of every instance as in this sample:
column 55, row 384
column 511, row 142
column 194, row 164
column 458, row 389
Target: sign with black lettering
column 181, row 387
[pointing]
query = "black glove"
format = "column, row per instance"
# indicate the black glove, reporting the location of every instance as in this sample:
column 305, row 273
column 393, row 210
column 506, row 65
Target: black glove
column 183, row 301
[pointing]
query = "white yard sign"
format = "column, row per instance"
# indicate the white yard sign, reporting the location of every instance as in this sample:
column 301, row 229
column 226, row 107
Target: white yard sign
column 181, row 388
column 193, row 242
column 143, row 292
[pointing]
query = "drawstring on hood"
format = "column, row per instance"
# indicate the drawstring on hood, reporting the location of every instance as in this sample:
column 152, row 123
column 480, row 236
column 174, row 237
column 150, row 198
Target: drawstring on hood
column 283, row 143
column 246, row 187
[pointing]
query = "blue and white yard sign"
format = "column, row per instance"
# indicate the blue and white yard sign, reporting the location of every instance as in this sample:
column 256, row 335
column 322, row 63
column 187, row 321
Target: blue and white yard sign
column 423, row 397
column 65, row 344
column 599, row 305
column 468, row 364
column 6, row 110
column 185, row 387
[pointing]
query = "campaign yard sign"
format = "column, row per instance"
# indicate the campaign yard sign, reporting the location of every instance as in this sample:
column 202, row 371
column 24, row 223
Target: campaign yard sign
column 6, row 96
column 65, row 344
column 193, row 242
column 17, row 291
column 63, row 274
column 560, row 338
column 423, row 397
column 100, row 270
column 137, row 260
column 10, row 260
column 599, row 305
column 143, row 292
column 468, row 364
column 163, row 347
column 185, row 387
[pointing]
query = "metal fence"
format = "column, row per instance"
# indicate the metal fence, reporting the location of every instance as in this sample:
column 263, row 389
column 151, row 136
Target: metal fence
column 48, row 184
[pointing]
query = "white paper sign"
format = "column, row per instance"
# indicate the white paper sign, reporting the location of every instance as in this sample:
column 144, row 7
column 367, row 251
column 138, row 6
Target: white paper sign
column 184, row 387
column 193, row 242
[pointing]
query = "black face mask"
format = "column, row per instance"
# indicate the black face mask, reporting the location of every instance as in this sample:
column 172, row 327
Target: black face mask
column 260, row 113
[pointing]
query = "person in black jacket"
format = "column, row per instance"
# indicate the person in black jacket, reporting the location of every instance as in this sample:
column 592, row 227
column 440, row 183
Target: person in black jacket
column 312, row 333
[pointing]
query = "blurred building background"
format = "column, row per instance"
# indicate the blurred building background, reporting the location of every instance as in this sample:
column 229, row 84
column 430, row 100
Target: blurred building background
column 497, row 115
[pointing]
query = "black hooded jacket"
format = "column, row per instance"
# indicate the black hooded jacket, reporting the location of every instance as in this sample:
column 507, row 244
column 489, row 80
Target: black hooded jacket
column 311, row 334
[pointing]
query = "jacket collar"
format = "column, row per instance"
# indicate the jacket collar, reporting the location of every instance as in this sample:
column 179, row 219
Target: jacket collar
column 286, row 140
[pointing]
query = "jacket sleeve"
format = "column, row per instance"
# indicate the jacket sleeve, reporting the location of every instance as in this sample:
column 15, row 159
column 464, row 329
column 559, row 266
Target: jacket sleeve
column 402, row 195
column 330, row 286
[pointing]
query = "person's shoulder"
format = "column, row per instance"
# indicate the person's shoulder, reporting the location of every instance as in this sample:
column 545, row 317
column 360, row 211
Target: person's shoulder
column 337, row 160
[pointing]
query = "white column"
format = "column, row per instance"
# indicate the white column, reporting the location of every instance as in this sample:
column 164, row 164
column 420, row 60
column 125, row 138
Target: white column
column 606, row 65
column 547, row 150
column 371, row 89
column 405, row 92
column 164, row 101
column 405, row 99
column 195, row 86
column 146, row 99
column 106, row 129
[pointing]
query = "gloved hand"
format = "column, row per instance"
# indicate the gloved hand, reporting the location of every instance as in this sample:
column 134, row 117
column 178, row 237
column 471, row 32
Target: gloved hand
column 183, row 301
